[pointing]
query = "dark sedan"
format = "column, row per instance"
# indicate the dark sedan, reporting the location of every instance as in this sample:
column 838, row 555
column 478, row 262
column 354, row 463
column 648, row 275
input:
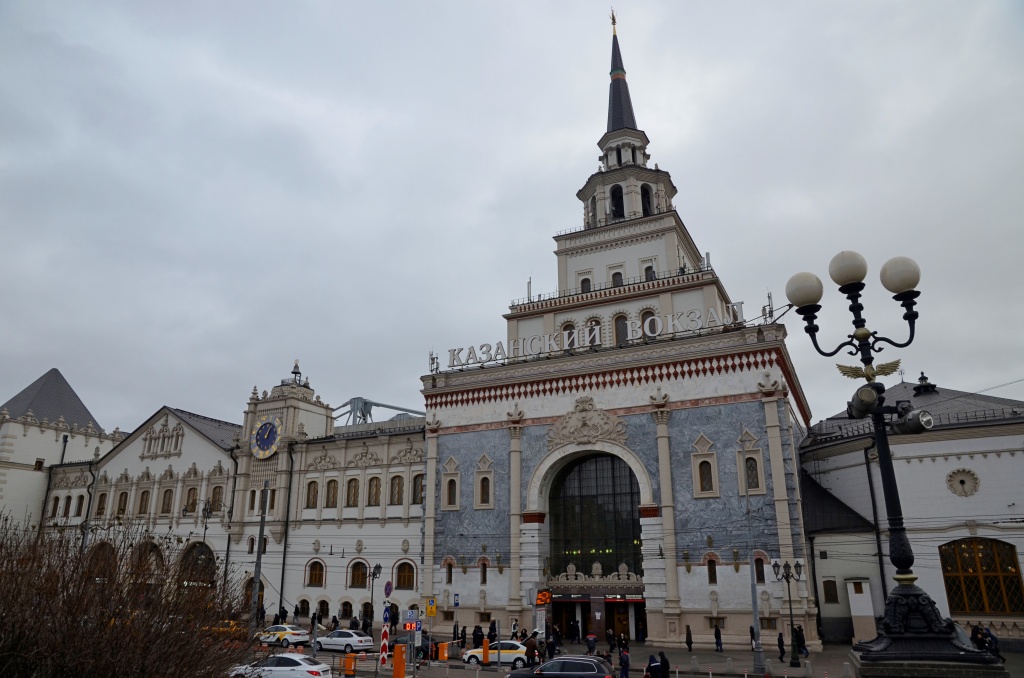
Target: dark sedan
column 568, row 666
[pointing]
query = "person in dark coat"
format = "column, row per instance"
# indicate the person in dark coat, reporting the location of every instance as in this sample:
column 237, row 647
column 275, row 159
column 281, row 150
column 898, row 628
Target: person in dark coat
column 478, row 637
column 753, row 637
column 782, row 647
column 284, row 615
column 531, row 650
column 295, row 614
column 366, row 625
column 353, row 623
column 623, row 643
column 334, row 623
column 591, row 643
column 992, row 643
column 801, row 642
column 718, row 639
column 277, row 619
column 689, row 639
column 624, row 663
column 665, row 666
column 552, row 646
column 653, row 668
column 462, row 637
column 610, row 635
column 492, row 632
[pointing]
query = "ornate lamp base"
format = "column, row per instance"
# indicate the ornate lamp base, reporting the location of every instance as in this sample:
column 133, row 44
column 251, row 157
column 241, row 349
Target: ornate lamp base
column 914, row 631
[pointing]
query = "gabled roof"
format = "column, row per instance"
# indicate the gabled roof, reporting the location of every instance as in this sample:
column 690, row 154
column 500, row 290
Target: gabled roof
column 51, row 397
column 222, row 433
column 948, row 407
column 824, row 512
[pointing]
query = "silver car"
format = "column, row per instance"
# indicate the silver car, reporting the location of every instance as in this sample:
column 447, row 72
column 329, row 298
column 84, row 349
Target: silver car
column 345, row 641
column 278, row 665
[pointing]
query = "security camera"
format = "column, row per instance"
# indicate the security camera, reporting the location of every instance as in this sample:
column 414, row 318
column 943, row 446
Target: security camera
column 865, row 399
column 915, row 421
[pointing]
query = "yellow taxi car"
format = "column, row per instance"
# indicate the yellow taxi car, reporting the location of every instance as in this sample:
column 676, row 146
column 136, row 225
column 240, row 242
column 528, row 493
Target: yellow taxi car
column 512, row 653
column 283, row 635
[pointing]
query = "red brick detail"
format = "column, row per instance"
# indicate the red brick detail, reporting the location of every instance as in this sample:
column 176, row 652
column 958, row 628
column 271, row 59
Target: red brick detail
column 650, row 511
column 533, row 517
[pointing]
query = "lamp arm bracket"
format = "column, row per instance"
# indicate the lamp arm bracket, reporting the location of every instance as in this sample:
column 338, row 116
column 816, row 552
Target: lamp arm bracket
column 896, row 344
column 840, row 347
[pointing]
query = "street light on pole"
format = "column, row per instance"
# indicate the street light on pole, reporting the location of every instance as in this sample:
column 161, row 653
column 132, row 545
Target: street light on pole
column 913, row 628
column 374, row 575
column 790, row 573
column 205, row 513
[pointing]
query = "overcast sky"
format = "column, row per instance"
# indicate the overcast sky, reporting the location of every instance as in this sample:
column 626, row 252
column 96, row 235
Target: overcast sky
column 194, row 194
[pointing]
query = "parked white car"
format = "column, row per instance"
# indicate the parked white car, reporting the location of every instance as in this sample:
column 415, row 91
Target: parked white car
column 345, row 641
column 285, row 664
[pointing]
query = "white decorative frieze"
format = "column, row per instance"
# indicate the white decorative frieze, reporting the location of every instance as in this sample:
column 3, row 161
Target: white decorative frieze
column 586, row 425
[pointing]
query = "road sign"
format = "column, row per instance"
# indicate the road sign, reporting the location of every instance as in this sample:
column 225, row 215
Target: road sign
column 387, row 614
column 410, row 615
column 387, row 589
column 431, row 607
column 419, row 626
column 456, row 600
column 384, row 642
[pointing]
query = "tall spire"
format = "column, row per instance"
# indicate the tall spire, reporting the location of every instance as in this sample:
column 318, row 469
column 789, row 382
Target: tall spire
column 620, row 108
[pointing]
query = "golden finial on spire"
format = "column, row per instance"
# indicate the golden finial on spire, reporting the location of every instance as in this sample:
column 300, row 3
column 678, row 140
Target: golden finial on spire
column 613, row 21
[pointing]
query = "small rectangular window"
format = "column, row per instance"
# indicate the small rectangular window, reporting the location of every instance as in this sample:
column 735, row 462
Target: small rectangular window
column 769, row 624
column 719, row 621
column 448, row 615
column 858, row 587
column 830, row 590
column 39, row 465
column 823, row 555
column 485, row 616
column 712, row 573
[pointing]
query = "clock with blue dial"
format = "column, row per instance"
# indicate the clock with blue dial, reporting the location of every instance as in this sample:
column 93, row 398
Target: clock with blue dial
column 265, row 437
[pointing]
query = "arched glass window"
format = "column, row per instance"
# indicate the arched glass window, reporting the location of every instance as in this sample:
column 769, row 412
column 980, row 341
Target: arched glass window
column 144, row 503
column 448, row 569
column 352, row 492
column 418, row 489
column 982, row 576
column 191, row 498
column 346, row 610
column 649, row 273
column 373, row 492
column 316, row 574
column 707, row 483
column 252, row 500
column 483, row 574
column 585, row 285
column 323, row 608
column 270, row 500
column 453, row 495
column 397, row 493
column 617, row 279
column 596, row 490
column 406, row 579
column 647, row 328
column 332, row 494
column 122, row 503
column 569, row 336
column 217, row 500
column 168, row 501
column 485, row 490
column 252, row 544
column 79, row 505
column 750, row 473
column 759, row 570
column 618, row 207
column 67, row 507
column 712, row 572
column 312, row 492
column 101, row 505
column 266, row 540
column 358, row 575
column 646, row 200
column 304, row 608
column 621, row 331
column 55, row 507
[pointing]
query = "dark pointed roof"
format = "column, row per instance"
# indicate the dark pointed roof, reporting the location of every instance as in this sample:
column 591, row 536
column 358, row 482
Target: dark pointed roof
column 620, row 108
column 50, row 397
column 824, row 512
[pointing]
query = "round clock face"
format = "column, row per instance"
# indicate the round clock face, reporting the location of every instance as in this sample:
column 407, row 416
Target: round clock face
column 265, row 437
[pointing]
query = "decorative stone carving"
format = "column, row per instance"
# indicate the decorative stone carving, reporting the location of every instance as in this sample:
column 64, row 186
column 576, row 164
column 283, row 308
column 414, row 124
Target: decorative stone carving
column 192, row 473
column 218, row 470
column 703, row 444
column 365, row 458
column 659, row 399
column 124, row 478
column 765, row 607
column 433, row 425
column 405, row 546
column 963, row 482
column 316, row 546
column 168, row 474
column 408, row 454
column 324, row 462
column 359, row 545
column 713, row 597
column 586, row 425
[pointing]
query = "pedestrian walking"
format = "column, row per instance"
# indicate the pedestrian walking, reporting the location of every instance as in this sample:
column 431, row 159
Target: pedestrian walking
column 261, row 616
column 665, row 666
column 334, row 623
column 478, row 637
column 492, row 632
column 462, row 637
column 718, row 639
column 591, row 644
column 623, row 643
column 610, row 636
column 782, row 647
column 689, row 639
column 552, row 646
column 353, row 623
column 284, row 615
column 653, row 668
column 801, row 642
column 992, row 643
column 753, row 638
column 277, row 619
column 515, row 628
column 624, row 663
column 295, row 614
column 531, row 650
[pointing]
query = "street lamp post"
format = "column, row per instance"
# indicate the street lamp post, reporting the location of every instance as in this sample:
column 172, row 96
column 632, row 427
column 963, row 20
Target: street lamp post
column 790, row 573
column 374, row 575
column 913, row 628
column 205, row 513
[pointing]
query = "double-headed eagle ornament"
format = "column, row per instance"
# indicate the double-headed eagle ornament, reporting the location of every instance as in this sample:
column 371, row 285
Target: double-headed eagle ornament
column 869, row 372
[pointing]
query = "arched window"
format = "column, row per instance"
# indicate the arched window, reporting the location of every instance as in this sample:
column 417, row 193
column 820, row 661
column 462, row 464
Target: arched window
column 618, row 157
column 332, row 494
column 266, row 540
column 418, row 489
column 67, row 506
column 367, row 610
column 982, row 576
column 621, row 331
column 647, row 325
column 373, row 492
column 406, row 579
column 569, row 336
column 352, row 492
column 191, row 498
column 312, row 492
column 592, row 214
column 55, row 507
column 252, row 500
column 122, row 503
column 485, row 490
column 79, row 505
column 617, row 279
column 168, row 501
column 453, row 496
column 101, row 505
column 759, row 570
column 448, row 569
column 346, row 610
column 144, row 503
column 649, row 273
column 618, row 207
column 316, row 574
column 323, row 608
column 751, row 474
column 646, row 200
column 270, row 500
column 707, row 483
column 304, row 608
column 585, row 285
column 397, row 493
column 483, row 574
column 217, row 500
column 358, row 580
column 712, row 572
column 252, row 544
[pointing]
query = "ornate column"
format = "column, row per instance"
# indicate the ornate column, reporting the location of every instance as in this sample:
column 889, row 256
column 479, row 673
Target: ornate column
column 661, row 416
column 430, row 510
column 515, row 434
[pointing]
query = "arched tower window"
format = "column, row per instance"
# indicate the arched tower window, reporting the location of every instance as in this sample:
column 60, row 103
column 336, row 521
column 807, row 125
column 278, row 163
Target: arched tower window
column 759, row 570
column 592, row 221
column 485, row 490
column 618, row 155
column 168, row 501
column 358, row 580
column 483, row 574
column 982, row 576
column 144, row 503
column 418, row 487
column 647, row 324
column 316, row 574
column 191, row 498
column 101, row 505
column 122, row 503
column 252, row 544
column 252, row 500
column 346, row 610
column 649, row 273
column 373, row 492
column 621, row 331
column 332, row 494
column 67, row 506
column 453, row 496
column 406, row 577
column 646, row 200
column 448, row 570
column 753, row 477
column 585, row 285
column 618, row 206
column 312, row 490
column 304, row 608
column 55, row 507
column 218, row 498
column 707, row 482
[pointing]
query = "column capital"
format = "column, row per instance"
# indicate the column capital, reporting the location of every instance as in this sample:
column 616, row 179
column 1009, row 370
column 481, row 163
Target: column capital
column 661, row 417
column 433, row 425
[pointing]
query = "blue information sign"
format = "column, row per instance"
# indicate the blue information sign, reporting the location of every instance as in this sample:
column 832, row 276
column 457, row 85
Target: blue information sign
column 387, row 615
column 456, row 600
